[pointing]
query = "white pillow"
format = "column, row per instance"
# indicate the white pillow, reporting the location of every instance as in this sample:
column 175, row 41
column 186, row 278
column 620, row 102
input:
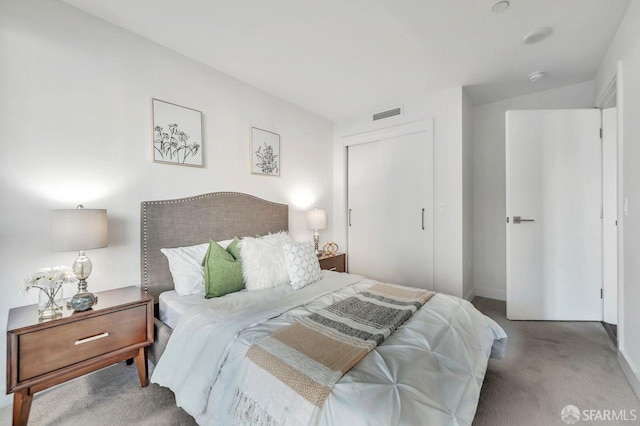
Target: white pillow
column 185, row 265
column 263, row 264
column 302, row 264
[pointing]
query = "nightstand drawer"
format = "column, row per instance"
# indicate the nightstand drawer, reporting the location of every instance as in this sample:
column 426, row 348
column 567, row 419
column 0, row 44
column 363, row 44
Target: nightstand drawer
column 333, row 263
column 48, row 350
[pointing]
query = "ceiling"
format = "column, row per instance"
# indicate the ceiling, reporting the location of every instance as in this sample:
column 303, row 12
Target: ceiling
column 339, row 58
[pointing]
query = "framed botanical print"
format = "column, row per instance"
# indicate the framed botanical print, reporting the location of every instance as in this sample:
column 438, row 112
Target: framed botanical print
column 177, row 134
column 265, row 152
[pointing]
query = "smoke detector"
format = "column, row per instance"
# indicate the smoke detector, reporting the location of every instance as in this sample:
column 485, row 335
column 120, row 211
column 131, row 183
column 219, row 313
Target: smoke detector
column 499, row 6
column 536, row 35
column 537, row 76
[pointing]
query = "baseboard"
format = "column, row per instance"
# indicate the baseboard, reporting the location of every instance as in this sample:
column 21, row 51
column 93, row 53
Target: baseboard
column 611, row 332
column 491, row 293
column 632, row 376
column 470, row 295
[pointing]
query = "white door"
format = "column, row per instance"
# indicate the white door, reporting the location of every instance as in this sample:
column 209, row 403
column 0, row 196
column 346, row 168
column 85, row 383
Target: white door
column 610, row 214
column 390, row 201
column 554, row 201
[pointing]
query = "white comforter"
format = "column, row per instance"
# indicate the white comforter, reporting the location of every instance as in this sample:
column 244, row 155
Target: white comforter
column 429, row 371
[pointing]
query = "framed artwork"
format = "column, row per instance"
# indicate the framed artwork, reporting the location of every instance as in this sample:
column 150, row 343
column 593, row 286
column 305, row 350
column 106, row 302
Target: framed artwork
column 177, row 134
column 265, row 152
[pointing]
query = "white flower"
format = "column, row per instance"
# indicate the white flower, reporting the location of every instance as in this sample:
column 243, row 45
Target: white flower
column 51, row 277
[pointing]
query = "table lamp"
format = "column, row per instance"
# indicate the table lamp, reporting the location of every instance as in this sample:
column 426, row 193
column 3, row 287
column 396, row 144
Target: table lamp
column 316, row 220
column 79, row 229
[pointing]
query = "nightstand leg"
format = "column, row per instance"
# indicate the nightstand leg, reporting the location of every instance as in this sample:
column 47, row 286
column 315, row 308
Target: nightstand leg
column 141, row 363
column 21, row 407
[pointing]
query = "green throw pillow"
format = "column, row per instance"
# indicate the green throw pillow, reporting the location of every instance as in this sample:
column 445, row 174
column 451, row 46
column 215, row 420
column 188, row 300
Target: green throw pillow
column 234, row 249
column 222, row 269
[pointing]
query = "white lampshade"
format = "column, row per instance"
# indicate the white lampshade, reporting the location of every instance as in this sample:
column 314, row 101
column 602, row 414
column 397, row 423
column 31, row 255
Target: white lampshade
column 78, row 229
column 316, row 219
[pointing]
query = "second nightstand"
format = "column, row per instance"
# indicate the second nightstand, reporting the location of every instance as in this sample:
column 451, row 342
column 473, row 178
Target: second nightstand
column 335, row 262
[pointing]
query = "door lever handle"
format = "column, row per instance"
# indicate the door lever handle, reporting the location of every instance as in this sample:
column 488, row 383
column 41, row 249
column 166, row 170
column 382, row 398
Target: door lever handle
column 518, row 219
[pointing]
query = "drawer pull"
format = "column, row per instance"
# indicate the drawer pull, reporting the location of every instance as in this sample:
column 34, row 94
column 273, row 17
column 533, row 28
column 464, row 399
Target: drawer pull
column 92, row 338
column 332, row 269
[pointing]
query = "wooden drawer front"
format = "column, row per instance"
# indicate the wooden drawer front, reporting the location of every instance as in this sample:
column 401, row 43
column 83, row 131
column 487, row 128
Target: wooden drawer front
column 48, row 350
column 335, row 263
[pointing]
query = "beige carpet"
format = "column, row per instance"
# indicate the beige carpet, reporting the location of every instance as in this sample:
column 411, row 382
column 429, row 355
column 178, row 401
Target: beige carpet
column 548, row 365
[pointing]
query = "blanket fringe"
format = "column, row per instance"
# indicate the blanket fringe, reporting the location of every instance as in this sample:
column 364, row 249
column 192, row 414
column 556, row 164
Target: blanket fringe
column 247, row 411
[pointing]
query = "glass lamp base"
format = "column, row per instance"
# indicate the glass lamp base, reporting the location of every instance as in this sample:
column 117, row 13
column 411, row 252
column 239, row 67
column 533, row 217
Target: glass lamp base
column 316, row 242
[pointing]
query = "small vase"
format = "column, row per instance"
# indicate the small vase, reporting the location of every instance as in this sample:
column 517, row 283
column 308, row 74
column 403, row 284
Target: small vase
column 50, row 302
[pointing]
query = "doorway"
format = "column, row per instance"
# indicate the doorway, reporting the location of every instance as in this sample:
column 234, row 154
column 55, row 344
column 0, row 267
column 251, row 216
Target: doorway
column 610, row 220
column 612, row 207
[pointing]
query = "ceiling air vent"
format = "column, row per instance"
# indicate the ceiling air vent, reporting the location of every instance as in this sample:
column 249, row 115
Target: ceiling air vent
column 388, row 113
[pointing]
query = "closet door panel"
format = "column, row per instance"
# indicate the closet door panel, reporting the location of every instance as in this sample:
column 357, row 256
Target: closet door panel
column 391, row 199
column 366, row 246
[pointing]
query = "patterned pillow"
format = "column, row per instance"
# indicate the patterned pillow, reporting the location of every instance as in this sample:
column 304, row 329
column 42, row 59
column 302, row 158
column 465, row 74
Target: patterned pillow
column 302, row 264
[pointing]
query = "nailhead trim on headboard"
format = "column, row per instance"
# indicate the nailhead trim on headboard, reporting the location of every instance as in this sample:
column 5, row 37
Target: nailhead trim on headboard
column 145, row 204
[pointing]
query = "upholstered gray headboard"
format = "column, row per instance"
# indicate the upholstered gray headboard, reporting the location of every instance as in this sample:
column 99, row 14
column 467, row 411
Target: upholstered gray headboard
column 196, row 220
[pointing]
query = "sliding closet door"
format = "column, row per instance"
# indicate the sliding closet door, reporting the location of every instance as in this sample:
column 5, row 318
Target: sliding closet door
column 390, row 184
column 365, row 217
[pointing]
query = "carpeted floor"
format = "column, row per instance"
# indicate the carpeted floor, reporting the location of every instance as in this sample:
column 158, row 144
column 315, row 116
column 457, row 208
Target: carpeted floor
column 109, row 397
column 548, row 365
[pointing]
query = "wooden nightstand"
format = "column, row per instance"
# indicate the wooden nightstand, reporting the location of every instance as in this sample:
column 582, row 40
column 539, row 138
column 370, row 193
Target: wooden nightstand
column 44, row 353
column 335, row 262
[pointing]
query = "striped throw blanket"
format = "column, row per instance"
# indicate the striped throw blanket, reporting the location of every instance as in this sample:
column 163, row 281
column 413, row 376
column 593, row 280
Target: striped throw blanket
column 286, row 377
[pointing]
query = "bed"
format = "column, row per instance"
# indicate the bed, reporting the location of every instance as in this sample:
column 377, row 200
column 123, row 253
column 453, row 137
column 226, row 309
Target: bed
column 429, row 371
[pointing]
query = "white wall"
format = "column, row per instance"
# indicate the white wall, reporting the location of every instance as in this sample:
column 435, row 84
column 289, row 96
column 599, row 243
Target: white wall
column 446, row 110
column 75, row 110
column 625, row 47
column 468, row 289
column 489, row 186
